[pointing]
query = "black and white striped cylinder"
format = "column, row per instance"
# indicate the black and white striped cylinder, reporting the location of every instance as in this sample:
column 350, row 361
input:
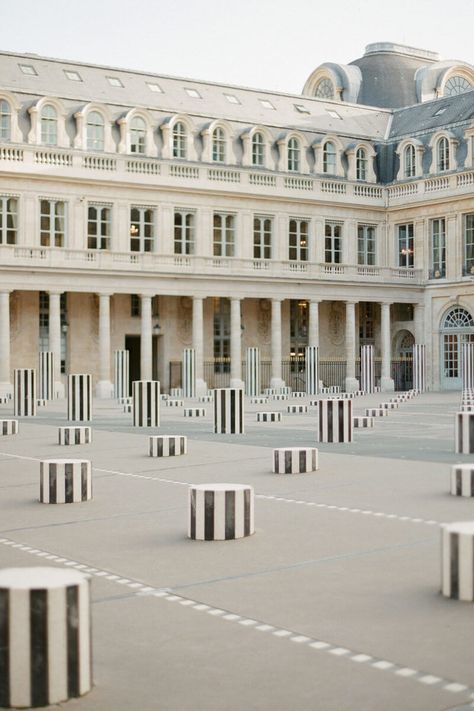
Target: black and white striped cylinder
column 126, row 400
column 295, row 460
column 128, row 408
column 228, row 411
column 284, row 390
column 367, row 369
column 146, row 403
column 457, row 555
column 45, row 636
column 189, row 372
column 311, row 363
column 389, row 405
column 8, row 427
column 270, row 391
column 205, row 398
column 462, row 480
column 79, row 397
column 298, row 394
column 46, row 375
column 174, row 403
column 74, row 435
column 376, row 412
column 41, row 403
column 269, row 417
column 280, row 396
column 296, row 409
column 121, row 375
column 467, row 408
column 464, row 432
column 467, row 365
column 167, row 445
column 65, row 481
column 252, row 372
column 362, row 421
column 24, row 384
column 219, row 512
column 335, row 421
column 4, row 399
column 194, row 412
column 176, row 392
column 260, row 400
column 419, row 367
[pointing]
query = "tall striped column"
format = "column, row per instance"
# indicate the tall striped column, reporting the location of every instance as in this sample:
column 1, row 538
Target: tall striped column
column 367, row 373
column 79, row 397
column 457, row 553
column 228, row 411
column 45, row 636
column 311, row 361
column 189, row 372
column 419, row 367
column 46, row 375
column 252, row 372
column 146, row 403
column 24, row 392
column 335, row 421
column 467, row 365
column 121, row 373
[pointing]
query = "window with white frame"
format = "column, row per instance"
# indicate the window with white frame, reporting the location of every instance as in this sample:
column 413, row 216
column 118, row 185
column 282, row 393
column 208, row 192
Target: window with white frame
column 409, row 161
column 361, row 164
column 406, row 247
column 442, row 154
column 8, row 220
column 294, row 152
column 258, row 150
column 52, row 223
column 223, row 235
column 49, row 125
column 469, row 243
column 137, row 135
column 438, row 248
column 262, row 237
column 366, row 245
column 142, row 226
column 218, row 145
column 5, row 121
column 298, row 231
column 95, row 131
column 333, row 243
column 324, row 89
column 180, row 140
column 98, row 227
column 184, row 232
column 329, row 158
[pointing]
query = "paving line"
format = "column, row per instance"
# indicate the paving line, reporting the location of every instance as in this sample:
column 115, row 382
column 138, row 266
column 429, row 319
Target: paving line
column 356, row 656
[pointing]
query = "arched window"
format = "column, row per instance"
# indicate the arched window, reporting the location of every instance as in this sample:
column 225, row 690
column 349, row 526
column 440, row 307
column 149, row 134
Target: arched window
column 361, row 164
column 95, row 131
column 258, row 150
column 458, row 317
column 324, row 89
column 5, row 121
column 329, row 158
column 138, row 135
column 293, row 155
column 457, row 329
column 442, row 154
column 180, row 140
column 409, row 165
column 49, row 125
column 218, row 145
column 456, row 85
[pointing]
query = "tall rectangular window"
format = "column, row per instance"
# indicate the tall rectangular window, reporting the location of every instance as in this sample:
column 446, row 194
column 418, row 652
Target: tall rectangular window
column 224, row 235
column 262, row 238
column 8, row 220
column 98, row 227
column 333, row 243
column 298, row 240
column 184, row 232
column 438, row 248
column 52, row 223
column 469, row 243
column 366, row 245
column 141, row 229
column 405, row 245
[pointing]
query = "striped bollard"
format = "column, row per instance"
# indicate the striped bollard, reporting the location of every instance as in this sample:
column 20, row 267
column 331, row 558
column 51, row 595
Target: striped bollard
column 176, row 392
column 269, row 417
column 295, row 460
column 8, row 427
column 228, row 411
column 205, row 398
column 74, row 435
column 270, row 391
column 467, row 365
column 362, row 421
column 419, row 367
column 296, row 409
column 146, row 403
column 335, row 421
column 464, row 433
column 311, row 362
column 121, row 374
column 252, row 372
column 262, row 400
column 46, row 376
column 376, row 412
column 189, row 373
column 220, row 512
column 194, row 412
column 65, row 481
column 457, row 556
column 367, row 370
column 79, row 398
column 389, row 405
column 167, row 445
column 24, row 383
column 462, row 480
column 174, row 403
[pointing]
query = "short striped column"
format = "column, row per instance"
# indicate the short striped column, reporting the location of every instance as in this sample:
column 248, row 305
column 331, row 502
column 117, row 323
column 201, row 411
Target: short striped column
column 24, row 383
column 45, row 636
column 278, row 397
column 220, row 512
column 79, row 397
column 389, row 405
column 335, row 421
column 194, row 412
column 457, row 556
column 284, row 390
column 269, row 391
column 252, row 372
column 296, row 409
column 41, row 403
column 362, row 421
column 295, row 460
column 146, row 403
column 128, row 408
column 206, row 398
column 467, row 365
column 269, row 417
column 65, row 481
column 167, row 445
column 464, row 432
column 376, row 412
column 176, row 392
column 298, row 394
column 121, row 374
column 367, row 370
column 46, row 375
column 228, row 411
column 419, row 367
column 311, row 364
column 74, row 435
column 462, row 480
column 261, row 400
column 8, row 427
column 174, row 403
column 189, row 372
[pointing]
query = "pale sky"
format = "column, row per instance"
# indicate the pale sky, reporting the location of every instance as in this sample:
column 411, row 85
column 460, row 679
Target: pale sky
column 268, row 44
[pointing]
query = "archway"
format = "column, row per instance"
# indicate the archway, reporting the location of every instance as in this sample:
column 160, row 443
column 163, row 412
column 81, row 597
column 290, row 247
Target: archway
column 457, row 327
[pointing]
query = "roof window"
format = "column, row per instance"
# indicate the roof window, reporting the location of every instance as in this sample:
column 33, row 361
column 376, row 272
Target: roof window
column 440, row 111
column 153, row 86
column 192, row 92
column 114, row 81
column 72, row 75
column 333, row 114
column 28, row 69
column 301, row 109
column 232, row 99
column 266, row 104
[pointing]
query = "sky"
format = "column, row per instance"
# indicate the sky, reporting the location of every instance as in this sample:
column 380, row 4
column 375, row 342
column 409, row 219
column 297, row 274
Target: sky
column 266, row 44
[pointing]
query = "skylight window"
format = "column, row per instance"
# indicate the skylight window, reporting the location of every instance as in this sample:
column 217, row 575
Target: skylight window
column 114, row 81
column 440, row 111
column 302, row 109
column 266, row 104
column 72, row 75
column 333, row 114
column 232, row 99
column 154, row 87
column 28, row 69
column 192, row 92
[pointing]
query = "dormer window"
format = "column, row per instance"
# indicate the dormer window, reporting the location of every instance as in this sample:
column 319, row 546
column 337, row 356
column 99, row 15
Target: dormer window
column 294, row 155
column 442, row 155
column 138, row 135
column 409, row 162
column 218, row 145
column 324, row 89
column 5, row 121
column 258, row 150
column 95, row 131
column 329, row 158
column 49, row 125
column 456, row 85
column 361, row 164
column 180, row 140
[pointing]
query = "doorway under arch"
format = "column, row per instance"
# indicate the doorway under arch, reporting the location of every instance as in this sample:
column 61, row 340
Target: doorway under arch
column 457, row 327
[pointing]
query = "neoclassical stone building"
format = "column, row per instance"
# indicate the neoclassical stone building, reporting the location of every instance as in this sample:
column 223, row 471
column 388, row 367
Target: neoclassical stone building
column 154, row 213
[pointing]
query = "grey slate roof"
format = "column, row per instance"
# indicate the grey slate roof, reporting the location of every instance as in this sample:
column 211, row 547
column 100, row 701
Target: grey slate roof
column 432, row 115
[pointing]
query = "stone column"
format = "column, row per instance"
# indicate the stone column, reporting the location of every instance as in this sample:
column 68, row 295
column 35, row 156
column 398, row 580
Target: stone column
column 146, row 350
column 104, row 388
column 55, row 339
column 276, row 379
column 198, row 344
column 351, row 383
column 313, row 335
column 235, row 345
column 419, row 322
column 6, row 387
column 386, row 382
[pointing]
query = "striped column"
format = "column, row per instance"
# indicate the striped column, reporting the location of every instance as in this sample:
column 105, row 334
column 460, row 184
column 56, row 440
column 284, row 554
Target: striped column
column 121, row 374
column 8, row 427
column 457, row 555
column 311, row 362
column 335, row 421
column 464, row 432
column 79, row 397
column 167, row 445
column 419, row 367
column 74, row 435
column 46, row 375
column 219, row 512
column 295, row 460
column 467, row 365
column 367, row 372
column 252, row 372
column 269, row 417
column 65, row 481
column 462, row 480
column 24, row 392
column 45, row 636
column 362, row 421
column 189, row 372
column 194, row 412
column 228, row 411
column 146, row 403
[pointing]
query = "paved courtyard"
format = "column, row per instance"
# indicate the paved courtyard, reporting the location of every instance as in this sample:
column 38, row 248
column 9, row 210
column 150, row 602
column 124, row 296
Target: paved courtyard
column 332, row 605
